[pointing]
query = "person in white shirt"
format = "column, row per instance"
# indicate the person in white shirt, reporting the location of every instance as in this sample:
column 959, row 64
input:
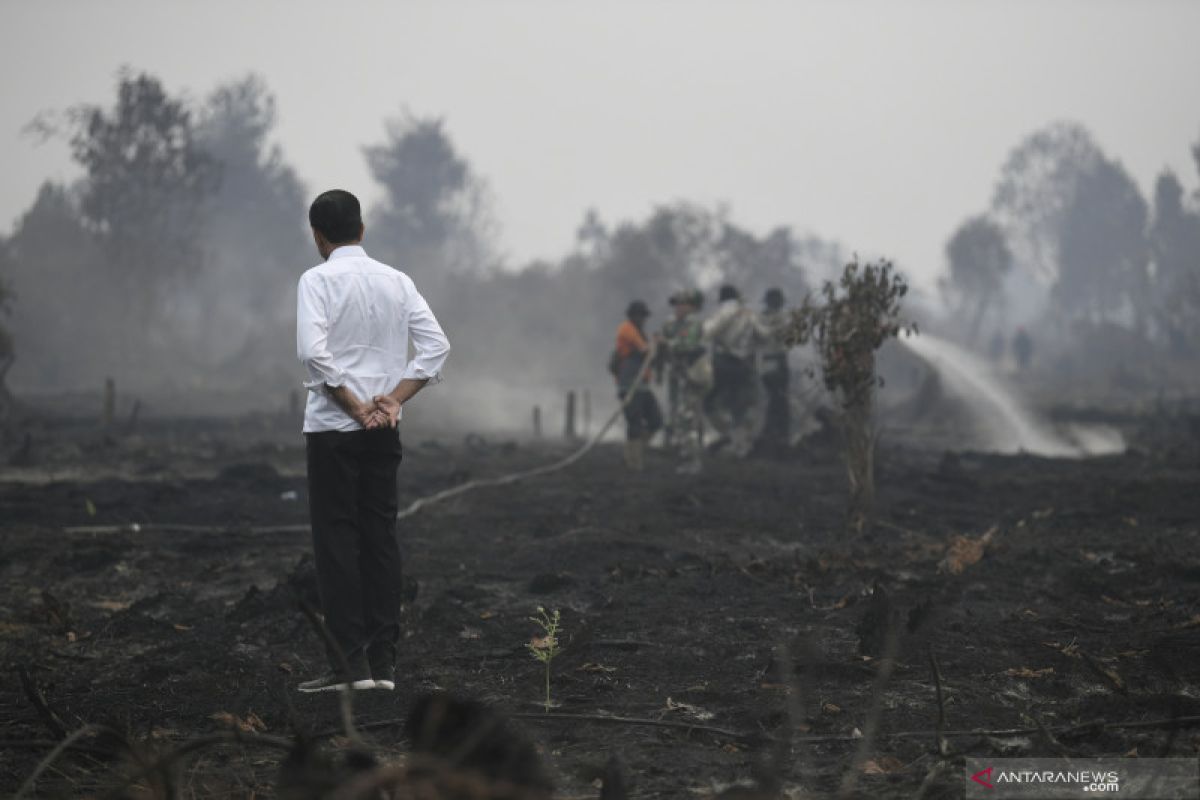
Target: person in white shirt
column 355, row 321
column 733, row 332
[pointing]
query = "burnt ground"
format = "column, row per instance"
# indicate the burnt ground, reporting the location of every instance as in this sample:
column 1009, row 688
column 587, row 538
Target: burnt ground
column 731, row 601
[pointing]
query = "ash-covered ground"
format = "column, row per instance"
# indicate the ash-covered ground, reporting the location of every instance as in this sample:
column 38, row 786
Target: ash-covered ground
column 1059, row 598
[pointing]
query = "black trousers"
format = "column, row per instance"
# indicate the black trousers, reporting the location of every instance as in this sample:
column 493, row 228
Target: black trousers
column 733, row 388
column 776, row 377
column 352, row 503
column 643, row 417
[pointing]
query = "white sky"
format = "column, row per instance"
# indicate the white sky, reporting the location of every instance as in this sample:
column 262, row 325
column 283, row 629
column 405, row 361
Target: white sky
column 880, row 124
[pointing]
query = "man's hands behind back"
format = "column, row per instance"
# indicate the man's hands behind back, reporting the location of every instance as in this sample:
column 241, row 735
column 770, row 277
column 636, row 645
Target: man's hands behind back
column 383, row 411
column 388, row 408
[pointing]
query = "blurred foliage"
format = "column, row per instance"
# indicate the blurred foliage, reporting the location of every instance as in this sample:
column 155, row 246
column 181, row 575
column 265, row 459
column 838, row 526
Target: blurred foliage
column 59, row 273
column 1175, row 252
column 6, row 297
column 1036, row 187
column 260, row 203
column 174, row 254
column 979, row 260
column 1077, row 220
column 1103, row 253
column 242, row 306
column 148, row 184
column 554, row 321
column 435, row 218
column 7, row 346
column 6, row 270
column 1084, row 249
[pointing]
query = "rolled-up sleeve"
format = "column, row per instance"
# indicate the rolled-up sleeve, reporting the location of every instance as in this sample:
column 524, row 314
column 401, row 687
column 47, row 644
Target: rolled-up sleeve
column 312, row 336
column 429, row 342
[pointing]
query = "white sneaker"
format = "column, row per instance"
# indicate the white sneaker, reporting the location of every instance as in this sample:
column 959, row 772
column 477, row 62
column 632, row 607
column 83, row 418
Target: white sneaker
column 329, row 682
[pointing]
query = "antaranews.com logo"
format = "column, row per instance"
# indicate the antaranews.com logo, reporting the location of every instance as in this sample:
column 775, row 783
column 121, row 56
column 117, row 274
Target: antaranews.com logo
column 1085, row 780
column 1139, row 778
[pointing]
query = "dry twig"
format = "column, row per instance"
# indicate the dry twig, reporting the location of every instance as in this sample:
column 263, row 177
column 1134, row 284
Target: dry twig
column 346, row 700
column 943, row 747
column 871, row 726
column 48, row 716
column 53, row 755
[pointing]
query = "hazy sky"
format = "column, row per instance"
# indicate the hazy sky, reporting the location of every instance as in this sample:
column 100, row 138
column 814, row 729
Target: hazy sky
column 880, row 124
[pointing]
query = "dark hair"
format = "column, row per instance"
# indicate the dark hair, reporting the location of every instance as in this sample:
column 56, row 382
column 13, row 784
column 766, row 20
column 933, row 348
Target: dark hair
column 336, row 215
column 727, row 292
column 637, row 309
column 773, row 298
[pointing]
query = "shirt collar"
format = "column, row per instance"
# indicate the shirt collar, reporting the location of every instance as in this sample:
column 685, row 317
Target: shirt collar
column 347, row 251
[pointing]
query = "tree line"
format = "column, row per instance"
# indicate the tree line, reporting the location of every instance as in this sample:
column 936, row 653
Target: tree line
column 1069, row 233
column 171, row 263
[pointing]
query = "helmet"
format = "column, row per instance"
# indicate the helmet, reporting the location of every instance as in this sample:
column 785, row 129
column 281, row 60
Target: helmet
column 690, row 297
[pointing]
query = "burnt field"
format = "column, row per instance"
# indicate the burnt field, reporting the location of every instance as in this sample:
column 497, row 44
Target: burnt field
column 738, row 634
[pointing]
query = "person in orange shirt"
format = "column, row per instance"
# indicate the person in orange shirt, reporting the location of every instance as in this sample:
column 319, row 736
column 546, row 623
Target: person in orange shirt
column 642, row 415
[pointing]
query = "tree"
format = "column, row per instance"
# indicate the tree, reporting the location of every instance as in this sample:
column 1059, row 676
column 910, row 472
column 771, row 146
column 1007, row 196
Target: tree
column 1077, row 220
column 1103, row 254
column 435, row 215
column 774, row 260
column 1175, row 250
column 258, row 235
column 688, row 246
column 6, row 270
column 54, row 272
column 144, row 197
column 854, row 319
column 147, row 182
column 1196, row 156
column 259, row 207
column 1037, row 186
column 979, row 260
column 8, row 351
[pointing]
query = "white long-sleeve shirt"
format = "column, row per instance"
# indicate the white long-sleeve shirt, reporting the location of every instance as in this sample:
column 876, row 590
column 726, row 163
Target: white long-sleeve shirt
column 355, row 318
column 732, row 329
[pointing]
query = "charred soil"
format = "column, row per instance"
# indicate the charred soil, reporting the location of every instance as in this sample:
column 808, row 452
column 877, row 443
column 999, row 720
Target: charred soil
column 1060, row 600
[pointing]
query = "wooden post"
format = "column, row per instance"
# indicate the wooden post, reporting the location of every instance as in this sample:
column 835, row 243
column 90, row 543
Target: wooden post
column 569, row 425
column 587, row 413
column 110, row 401
column 537, row 422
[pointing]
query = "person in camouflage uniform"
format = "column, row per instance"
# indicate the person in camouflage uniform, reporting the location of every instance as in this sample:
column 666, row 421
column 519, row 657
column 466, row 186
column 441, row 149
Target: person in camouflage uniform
column 682, row 343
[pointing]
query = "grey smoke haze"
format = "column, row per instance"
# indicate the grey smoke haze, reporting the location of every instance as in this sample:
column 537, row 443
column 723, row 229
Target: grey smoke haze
column 878, row 124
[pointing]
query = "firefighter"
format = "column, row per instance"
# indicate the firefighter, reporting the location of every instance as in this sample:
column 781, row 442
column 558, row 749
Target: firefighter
column 642, row 415
column 689, row 375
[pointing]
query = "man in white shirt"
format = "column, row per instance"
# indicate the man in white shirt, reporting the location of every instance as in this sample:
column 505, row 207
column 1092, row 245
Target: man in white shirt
column 355, row 320
column 733, row 331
